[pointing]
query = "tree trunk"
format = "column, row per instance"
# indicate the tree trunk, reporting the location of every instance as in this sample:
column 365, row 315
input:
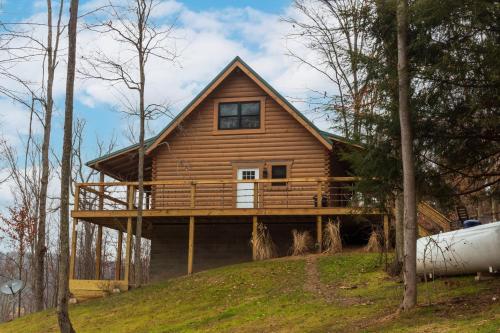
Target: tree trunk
column 44, row 181
column 399, row 217
column 410, row 209
column 63, row 292
column 140, row 173
column 140, row 180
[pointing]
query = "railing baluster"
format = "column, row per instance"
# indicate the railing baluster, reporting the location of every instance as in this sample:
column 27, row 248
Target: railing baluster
column 77, row 198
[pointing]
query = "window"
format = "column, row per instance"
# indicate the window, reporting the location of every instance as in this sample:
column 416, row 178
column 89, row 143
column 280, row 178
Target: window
column 240, row 115
column 278, row 172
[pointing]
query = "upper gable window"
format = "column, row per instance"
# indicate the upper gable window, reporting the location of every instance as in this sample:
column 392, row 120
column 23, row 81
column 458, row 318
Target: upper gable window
column 239, row 115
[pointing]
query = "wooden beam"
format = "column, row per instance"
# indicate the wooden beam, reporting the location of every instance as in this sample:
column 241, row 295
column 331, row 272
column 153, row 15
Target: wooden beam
column 191, row 245
column 118, row 267
column 386, row 232
column 73, row 250
column 319, row 233
column 229, row 212
column 103, row 196
column 255, row 221
column 98, row 253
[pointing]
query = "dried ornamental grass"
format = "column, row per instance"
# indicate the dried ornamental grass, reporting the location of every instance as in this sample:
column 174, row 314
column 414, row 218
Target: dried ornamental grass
column 264, row 245
column 373, row 243
column 332, row 242
column 302, row 242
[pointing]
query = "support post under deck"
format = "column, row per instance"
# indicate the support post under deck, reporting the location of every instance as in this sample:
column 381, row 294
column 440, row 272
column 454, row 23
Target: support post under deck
column 254, row 237
column 128, row 249
column 98, row 253
column 191, row 245
column 98, row 245
column 118, row 267
column 319, row 232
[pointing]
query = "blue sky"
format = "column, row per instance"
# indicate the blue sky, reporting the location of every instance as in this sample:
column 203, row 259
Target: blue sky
column 208, row 34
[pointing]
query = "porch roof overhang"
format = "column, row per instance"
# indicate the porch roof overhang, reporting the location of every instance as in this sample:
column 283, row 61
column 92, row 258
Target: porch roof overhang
column 122, row 164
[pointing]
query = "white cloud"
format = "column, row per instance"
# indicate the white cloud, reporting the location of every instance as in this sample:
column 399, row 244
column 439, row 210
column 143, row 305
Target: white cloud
column 208, row 40
column 14, row 122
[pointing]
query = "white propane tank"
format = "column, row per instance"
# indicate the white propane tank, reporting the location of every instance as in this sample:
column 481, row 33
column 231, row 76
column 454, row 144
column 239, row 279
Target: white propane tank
column 464, row 251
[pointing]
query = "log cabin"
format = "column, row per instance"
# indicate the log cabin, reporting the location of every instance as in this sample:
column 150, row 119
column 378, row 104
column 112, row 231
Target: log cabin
column 237, row 155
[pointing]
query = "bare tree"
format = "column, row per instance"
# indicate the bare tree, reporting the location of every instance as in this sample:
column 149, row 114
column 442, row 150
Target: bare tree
column 82, row 174
column 63, row 293
column 130, row 24
column 48, row 105
column 336, row 32
column 21, row 43
column 409, row 191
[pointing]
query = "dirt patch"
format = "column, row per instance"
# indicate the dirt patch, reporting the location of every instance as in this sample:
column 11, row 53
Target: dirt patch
column 328, row 292
column 313, row 283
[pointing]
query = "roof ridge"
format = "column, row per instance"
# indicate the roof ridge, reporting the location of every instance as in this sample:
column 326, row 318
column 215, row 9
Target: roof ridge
column 237, row 59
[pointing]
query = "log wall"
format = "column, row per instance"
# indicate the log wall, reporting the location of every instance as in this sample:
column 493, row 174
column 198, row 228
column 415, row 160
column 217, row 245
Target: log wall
column 194, row 151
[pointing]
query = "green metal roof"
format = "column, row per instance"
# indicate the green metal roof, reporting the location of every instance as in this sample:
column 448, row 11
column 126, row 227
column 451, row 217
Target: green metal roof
column 327, row 136
column 147, row 143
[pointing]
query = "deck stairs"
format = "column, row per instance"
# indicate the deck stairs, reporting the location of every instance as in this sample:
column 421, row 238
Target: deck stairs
column 432, row 221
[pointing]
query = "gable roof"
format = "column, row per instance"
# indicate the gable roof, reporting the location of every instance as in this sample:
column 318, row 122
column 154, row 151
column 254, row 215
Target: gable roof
column 150, row 144
column 239, row 63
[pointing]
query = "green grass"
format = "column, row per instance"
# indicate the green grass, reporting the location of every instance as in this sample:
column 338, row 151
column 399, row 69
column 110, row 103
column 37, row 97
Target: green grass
column 269, row 296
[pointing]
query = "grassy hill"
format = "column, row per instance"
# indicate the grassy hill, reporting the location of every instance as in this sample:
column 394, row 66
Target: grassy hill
column 348, row 292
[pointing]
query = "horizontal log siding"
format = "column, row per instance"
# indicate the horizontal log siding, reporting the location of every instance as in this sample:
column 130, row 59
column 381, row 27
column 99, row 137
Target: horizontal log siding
column 194, row 152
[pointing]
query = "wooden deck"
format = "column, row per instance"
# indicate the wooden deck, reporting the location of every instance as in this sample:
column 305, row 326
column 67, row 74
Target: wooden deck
column 219, row 197
column 83, row 290
column 115, row 205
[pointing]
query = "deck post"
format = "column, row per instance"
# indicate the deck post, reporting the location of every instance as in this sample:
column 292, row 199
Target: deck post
column 319, row 222
column 128, row 249
column 319, row 232
column 98, row 253
column 256, row 195
column 118, row 267
column 386, row 232
column 98, row 245
column 76, row 203
column 73, row 250
column 254, row 237
column 191, row 245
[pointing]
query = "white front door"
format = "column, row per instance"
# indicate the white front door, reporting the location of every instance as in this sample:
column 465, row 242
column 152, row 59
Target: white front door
column 244, row 191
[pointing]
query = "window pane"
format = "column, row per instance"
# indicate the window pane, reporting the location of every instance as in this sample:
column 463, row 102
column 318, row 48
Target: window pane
column 228, row 109
column 250, row 122
column 250, row 109
column 278, row 171
column 228, row 122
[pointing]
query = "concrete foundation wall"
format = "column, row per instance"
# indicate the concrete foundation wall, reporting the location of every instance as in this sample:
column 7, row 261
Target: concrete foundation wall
column 217, row 243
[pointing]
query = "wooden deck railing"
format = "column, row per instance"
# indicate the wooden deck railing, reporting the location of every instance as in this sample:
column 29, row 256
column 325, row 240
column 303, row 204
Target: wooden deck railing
column 222, row 194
